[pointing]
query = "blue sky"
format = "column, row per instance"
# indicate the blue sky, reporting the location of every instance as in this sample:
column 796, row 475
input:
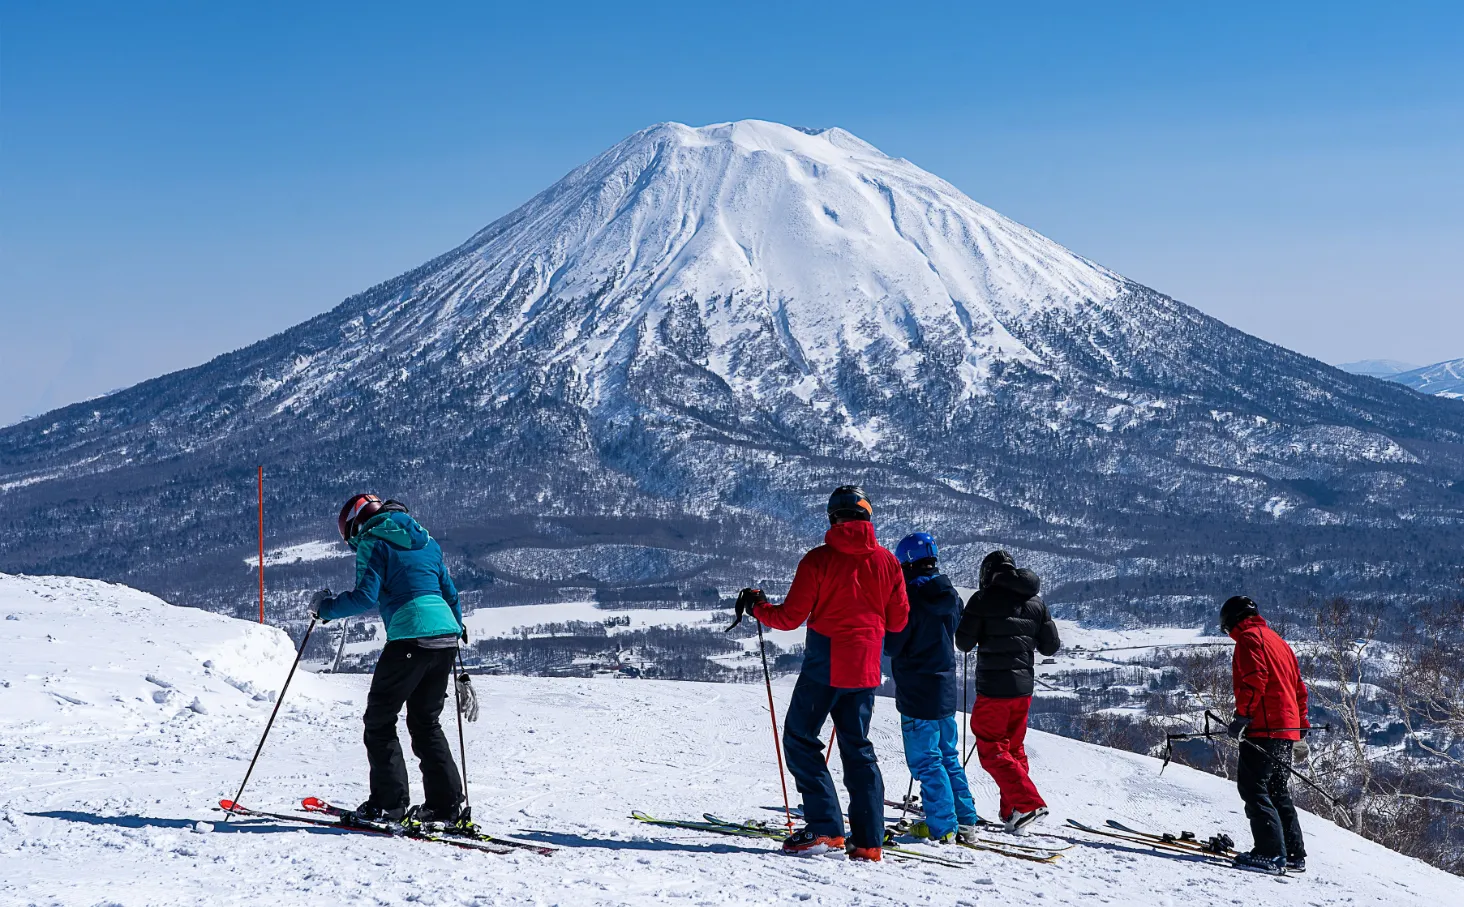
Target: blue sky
column 181, row 179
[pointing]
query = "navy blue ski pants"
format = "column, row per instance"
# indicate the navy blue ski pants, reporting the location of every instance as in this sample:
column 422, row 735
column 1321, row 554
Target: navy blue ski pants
column 802, row 741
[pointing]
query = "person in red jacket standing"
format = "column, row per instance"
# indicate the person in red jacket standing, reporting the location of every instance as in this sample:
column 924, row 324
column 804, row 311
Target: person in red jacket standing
column 1270, row 716
column 851, row 592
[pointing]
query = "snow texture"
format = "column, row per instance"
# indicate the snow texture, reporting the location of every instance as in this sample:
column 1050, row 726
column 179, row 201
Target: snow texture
column 107, row 788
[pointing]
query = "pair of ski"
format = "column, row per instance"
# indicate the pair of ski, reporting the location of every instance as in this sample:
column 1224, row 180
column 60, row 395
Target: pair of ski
column 767, row 832
column 1036, row 853
column 1213, row 851
column 755, row 829
column 345, row 820
column 913, row 805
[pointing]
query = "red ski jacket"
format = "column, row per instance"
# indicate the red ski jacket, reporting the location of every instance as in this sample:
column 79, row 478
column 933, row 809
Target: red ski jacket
column 851, row 591
column 1267, row 678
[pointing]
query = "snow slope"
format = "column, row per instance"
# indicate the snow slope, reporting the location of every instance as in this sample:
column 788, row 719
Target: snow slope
column 1443, row 379
column 103, row 781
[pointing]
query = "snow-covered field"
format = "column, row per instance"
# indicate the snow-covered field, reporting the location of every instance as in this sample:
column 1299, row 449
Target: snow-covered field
column 124, row 719
column 487, row 623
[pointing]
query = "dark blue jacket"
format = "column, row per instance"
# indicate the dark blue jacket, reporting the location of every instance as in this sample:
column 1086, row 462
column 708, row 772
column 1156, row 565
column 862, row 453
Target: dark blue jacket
column 923, row 655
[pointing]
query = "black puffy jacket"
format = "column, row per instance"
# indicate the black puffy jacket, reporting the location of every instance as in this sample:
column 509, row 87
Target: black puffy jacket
column 922, row 657
column 1005, row 622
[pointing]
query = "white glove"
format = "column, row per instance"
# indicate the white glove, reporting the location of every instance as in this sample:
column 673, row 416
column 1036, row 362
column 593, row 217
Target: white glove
column 467, row 700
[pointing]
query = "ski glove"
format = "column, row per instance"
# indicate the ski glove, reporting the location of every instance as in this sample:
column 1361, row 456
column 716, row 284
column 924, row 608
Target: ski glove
column 1237, row 726
column 1301, row 753
column 467, row 700
column 748, row 599
column 317, row 600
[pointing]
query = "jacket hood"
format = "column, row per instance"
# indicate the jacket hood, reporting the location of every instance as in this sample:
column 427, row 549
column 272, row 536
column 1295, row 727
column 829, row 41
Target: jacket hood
column 397, row 529
column 928, row 587
column 854, row 537
column 1022, row 582
column 1255, row 620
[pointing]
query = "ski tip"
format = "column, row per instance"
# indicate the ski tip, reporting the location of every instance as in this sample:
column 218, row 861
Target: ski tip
column 228, row 805
column 313, row 805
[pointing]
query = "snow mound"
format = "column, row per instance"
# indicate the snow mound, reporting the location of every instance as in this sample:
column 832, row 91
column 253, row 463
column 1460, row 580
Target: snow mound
column 120, row 814
column 78, row 654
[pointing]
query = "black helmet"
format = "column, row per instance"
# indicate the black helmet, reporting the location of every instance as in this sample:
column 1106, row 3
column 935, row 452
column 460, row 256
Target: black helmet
column 1236, row 609
column 849, row 502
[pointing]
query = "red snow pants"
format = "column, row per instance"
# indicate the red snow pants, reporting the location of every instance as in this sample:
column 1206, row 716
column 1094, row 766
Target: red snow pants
column 1000, row 726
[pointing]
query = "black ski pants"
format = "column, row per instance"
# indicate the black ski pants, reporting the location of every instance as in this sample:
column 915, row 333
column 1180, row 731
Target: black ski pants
column 409, row 674
column 1264, row 785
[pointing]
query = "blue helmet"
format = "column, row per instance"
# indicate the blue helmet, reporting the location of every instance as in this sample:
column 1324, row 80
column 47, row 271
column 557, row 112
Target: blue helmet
column 917, row 546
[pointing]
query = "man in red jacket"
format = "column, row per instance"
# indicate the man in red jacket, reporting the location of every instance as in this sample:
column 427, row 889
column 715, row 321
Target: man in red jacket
column 851, row 591
column 1270, row 716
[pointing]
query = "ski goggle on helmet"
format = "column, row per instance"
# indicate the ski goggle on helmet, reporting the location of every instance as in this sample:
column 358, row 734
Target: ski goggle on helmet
column 850, row 502
column 359, row 508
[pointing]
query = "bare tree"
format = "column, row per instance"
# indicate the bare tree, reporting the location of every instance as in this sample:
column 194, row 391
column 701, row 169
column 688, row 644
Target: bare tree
column 1336, row 665
column 1429, row 690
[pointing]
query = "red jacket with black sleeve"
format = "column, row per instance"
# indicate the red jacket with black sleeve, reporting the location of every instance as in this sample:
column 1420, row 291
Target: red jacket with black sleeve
column 1268, row 686
column 851, row 591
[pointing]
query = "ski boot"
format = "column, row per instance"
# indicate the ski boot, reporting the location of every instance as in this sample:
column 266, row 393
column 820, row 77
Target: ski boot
column 1296, row 864
column 968, row 834
column 922, row 830
column 1020, row 823
column 369, row 814
column 865, row 854
column 805, row 843
column 1258, row 862
column 454, row 820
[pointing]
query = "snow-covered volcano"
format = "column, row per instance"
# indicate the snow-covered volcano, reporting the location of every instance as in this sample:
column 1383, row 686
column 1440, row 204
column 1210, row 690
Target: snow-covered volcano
column 655, row 369
column 107, row 767
column 770, row 245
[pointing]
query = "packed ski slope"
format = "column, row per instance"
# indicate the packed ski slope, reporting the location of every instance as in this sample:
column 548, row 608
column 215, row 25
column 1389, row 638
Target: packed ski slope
column 124, row 719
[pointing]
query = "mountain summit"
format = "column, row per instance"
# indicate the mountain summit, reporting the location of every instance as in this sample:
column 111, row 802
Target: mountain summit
column 643, row 382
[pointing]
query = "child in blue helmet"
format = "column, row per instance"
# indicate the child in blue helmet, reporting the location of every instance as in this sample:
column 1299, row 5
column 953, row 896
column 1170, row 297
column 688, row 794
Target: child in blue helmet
column 923, row 662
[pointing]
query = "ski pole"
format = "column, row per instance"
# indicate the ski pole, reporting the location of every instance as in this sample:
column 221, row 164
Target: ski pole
column 829, row 750
column 773, row 714
column 340, row 650
column 1334, row 802
column 462, row 741
column 278, row 702
column 965, row 679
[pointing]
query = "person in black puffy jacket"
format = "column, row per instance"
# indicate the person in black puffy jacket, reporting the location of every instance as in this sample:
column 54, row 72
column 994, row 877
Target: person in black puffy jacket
column 923, row 662
column 1007, row 623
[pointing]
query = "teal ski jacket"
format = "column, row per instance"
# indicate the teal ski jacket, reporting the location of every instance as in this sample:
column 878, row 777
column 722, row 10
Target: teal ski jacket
column 400, row 572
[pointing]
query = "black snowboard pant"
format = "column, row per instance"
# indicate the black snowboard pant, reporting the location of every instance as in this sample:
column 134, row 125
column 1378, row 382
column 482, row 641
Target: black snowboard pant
column 1263, row 782
column 409, row 674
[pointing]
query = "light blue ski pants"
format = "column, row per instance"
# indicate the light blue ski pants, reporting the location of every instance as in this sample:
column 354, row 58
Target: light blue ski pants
column 934, row 759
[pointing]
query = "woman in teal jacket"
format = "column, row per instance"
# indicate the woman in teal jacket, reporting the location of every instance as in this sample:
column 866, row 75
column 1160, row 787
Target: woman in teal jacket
column 400, row 573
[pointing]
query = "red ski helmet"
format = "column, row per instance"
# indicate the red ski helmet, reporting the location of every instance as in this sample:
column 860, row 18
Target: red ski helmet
column 359, row 508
